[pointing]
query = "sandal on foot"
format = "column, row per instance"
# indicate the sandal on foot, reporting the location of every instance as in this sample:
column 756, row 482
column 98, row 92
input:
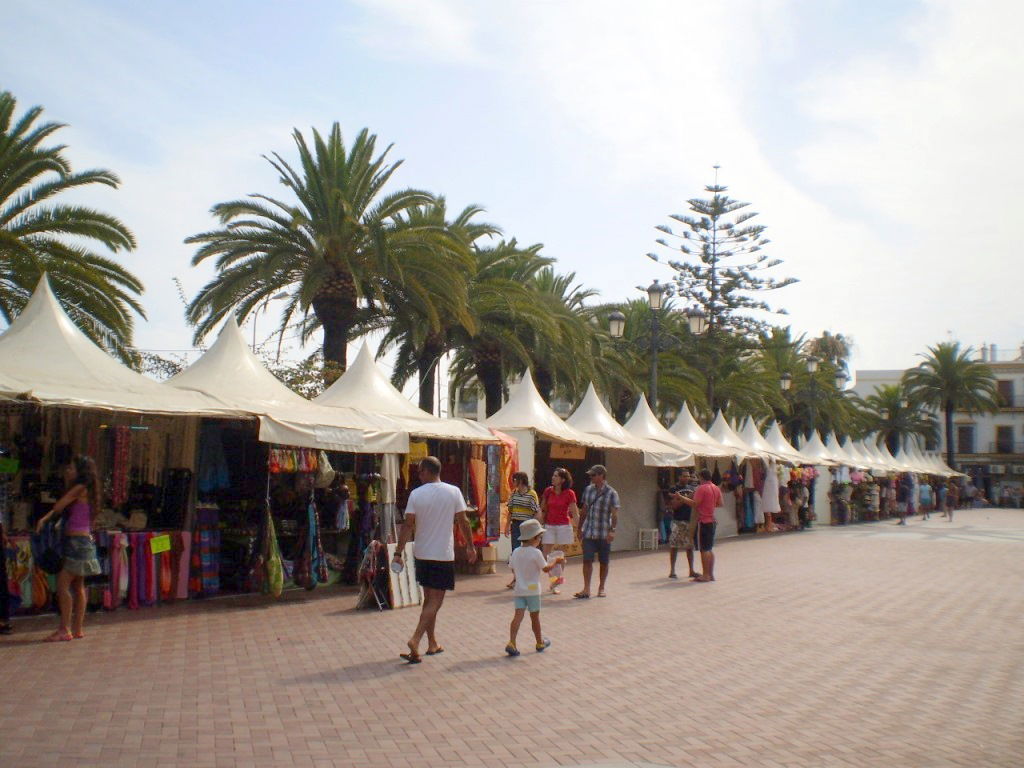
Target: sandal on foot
column 541, row 647
column 58, row 637
column 581, row 596
column 602, row 593
column 410, row 658
column 436, row 651
column 78, row 635
column 511, row 650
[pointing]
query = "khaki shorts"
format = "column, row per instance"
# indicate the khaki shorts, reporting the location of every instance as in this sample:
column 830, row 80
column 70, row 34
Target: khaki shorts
column 681, row 536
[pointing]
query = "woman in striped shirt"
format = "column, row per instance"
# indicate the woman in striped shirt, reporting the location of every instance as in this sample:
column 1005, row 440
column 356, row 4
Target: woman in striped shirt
column 523, row 505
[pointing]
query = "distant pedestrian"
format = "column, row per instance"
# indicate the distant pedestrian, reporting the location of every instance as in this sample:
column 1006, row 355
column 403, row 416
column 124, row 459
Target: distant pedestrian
column 433, row 510
column 902, row 497
column 953, row 498
column 684, row 523
column 924, row 497
column 558, row 514
column 708, row 498
column 941, row 497
column 527, row 564
column 599, row 516
column 523, row 505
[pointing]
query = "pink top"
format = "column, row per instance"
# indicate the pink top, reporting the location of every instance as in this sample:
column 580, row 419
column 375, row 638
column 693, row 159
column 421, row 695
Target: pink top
column 78, row 518
column 706, row 498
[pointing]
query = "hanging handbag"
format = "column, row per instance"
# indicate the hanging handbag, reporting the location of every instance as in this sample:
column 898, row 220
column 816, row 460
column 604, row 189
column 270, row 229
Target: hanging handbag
column 274, row 583
column 46, row 547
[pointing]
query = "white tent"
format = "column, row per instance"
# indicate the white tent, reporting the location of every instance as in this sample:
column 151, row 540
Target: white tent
column 816, row 450
column 753, row 438
column 592, row 417
column 874, row 451
column 894, row 464
column 45, row 358
column 644, row 426
column 838, row 452
column 231, row 373
column 783, row 447
column 726, row 435
column 694, row 438
column 525, row 410
column 365, row 387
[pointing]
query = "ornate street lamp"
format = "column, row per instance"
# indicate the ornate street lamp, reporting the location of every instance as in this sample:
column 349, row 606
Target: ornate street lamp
column 812, row 364
column 786, row 381
column 841, row 378
column 655, row 295
column 616, row 324
column 697, row 320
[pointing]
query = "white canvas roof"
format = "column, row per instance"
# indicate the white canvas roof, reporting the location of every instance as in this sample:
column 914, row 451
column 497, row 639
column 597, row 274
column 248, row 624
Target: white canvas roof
column 694, row 438
column 816, row 449
column 231, row 373
column 838, row 452
column 754, row 439
column 526, row 410
column 643, row 425
column 45, row 357
column 364, row 386
column 726, row 435
column 873, row 451
column 893, row 463
column 779, row 444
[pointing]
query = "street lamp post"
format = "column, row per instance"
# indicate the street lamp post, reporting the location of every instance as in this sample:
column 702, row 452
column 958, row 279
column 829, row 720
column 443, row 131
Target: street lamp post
column 655, row 298
column 262, row 307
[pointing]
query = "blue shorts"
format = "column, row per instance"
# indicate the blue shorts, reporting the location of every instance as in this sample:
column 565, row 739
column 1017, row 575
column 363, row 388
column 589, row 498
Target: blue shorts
column 601, row 548
column 529, row 603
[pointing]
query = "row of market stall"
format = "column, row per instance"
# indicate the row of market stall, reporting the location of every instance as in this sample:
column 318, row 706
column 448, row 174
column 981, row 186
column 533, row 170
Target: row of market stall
column 222, row 471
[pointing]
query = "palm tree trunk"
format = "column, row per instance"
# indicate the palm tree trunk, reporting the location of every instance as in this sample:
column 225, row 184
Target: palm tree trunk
column 426, row 366
column 949, row 435
column 335, row 314
column 488, row 373
column 545, row 383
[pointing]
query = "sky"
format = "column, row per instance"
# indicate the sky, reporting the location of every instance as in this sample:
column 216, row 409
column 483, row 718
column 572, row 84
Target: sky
column 879, row 140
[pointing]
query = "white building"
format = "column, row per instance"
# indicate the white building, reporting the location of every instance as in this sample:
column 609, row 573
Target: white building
column 988, row 447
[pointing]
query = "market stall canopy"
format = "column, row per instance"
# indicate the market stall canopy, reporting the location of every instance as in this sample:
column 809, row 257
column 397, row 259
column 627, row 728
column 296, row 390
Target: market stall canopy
column 893, row 464
column 644, row 426
column 364, row 386
column 874, row 451
column 726, row 435
column 46, row 358
column 838, row 452
column 754, row 439
column 693, row 437
column 231, row 373
column 873, row 462
column 816, row 449
column 781, row 445
column 526, row 410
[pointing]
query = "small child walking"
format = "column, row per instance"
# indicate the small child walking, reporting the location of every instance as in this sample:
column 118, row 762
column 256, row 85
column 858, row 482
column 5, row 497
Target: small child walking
column 527, row 564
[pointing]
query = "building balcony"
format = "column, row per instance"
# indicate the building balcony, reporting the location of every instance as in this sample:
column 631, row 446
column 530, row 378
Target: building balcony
column 1006, row 448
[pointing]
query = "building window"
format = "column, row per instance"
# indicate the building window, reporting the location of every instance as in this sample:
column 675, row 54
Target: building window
column 1005, row 392
column 1004, row 439
column 965, row 439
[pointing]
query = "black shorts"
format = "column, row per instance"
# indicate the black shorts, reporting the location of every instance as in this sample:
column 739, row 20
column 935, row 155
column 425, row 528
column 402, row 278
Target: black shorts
column 435, row 574
column 706, row 536
column 602, row 548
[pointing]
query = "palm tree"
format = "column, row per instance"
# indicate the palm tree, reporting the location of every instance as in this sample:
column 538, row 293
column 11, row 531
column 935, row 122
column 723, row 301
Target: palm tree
column 341, row 247
column 504, row 305
column 40, row 236
column 895, row 417
column 420, row 343
column 834, row 348
column 555, row 365
column 949, row 380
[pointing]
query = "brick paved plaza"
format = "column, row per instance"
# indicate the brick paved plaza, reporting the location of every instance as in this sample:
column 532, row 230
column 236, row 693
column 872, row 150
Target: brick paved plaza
column 862, row 646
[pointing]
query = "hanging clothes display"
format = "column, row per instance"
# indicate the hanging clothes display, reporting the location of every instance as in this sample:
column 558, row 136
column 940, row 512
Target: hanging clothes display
column 213, row 472
column 770, row 497
column 389, row 471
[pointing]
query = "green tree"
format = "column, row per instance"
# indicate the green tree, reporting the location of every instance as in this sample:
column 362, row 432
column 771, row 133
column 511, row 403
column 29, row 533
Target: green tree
column 895, row 417
column 39, row 235
column 833, row 348
column 949, row 380
column 722, row 271
column 341, row 246
column 420, row 343
column 505, row 308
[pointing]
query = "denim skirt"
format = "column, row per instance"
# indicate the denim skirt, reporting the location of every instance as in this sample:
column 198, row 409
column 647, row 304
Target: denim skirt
column 80, row 556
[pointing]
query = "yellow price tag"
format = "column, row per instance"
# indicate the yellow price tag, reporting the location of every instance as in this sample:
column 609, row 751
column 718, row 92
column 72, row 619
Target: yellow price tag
column 160, row 544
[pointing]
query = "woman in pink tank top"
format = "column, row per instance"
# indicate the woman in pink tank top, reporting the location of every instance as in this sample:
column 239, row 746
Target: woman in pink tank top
column 79, row 506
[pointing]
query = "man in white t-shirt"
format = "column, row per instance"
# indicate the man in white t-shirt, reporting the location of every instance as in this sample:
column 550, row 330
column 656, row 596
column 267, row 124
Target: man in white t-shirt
column 430, row 517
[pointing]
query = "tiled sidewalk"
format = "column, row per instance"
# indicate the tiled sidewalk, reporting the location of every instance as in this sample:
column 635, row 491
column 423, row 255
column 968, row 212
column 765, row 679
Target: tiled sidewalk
column 864, row 646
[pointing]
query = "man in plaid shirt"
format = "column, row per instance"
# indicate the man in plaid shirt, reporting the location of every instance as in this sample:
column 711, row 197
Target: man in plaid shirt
column 599, row 515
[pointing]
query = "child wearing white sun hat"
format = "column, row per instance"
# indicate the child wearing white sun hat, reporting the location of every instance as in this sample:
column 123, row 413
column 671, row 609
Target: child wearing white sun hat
column 527, row 564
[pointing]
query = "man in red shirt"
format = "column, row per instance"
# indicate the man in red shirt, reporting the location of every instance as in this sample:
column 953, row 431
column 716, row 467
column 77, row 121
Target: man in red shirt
column 706, row 499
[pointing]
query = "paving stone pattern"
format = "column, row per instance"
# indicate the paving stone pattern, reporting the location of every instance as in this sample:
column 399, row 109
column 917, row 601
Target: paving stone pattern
column 862, row 646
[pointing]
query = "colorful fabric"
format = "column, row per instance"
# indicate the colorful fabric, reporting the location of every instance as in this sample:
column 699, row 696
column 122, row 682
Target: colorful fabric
column 599, row 504
column 523, row 506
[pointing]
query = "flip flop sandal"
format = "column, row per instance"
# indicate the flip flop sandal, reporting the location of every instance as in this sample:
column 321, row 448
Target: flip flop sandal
column 602, row 594
column 79, row 636
column 58, row 637
column 410, row 658
column 580, row 596
column 435, row 653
